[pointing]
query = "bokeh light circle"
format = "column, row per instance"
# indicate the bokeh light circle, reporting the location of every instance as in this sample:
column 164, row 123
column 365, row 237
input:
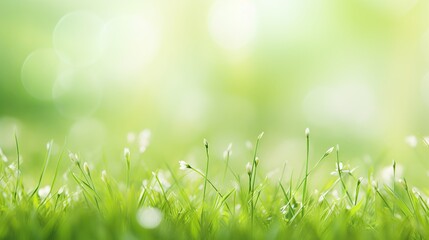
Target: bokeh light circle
column 347, row 104
column 87, row 135
column 232, row 23
column 130, row 42
column 149, row 217
column 9, row 126
column 77, row 38
column 39, row 73
column 77, row 93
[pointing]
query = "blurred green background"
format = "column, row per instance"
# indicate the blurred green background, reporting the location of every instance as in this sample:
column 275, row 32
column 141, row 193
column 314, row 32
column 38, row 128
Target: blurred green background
column 96, row 73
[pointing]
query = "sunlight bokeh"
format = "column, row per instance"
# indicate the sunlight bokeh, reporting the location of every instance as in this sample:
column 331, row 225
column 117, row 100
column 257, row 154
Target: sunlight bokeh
column 355, row 72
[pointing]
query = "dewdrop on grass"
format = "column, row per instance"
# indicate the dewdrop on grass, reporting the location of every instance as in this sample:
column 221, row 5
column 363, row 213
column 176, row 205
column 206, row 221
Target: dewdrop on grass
column 149, row 217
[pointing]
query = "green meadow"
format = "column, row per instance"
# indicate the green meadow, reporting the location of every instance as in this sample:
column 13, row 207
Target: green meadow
column 221, row 119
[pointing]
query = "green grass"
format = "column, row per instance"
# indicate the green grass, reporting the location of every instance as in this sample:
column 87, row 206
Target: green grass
column 183, row 202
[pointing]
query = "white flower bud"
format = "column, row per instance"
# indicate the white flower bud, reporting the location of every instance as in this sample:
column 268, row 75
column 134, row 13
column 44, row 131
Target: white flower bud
column 249, row 168
column 127, row 153
column 74, row 158
column 329, row 151
column 184, row 165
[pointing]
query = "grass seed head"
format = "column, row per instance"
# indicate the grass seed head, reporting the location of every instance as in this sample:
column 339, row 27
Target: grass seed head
column 61, row 190
column 307, row 132
column 184, row 165
column 86, row 168
column 48, row 145
column 329, row 151
column 127, row 153
column 249, row 168
column 74, row 158
column 228, row 151
column 127, row 156
column 256, row 161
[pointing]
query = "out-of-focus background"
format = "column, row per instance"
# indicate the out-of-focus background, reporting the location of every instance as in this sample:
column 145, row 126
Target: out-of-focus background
column 97, row 73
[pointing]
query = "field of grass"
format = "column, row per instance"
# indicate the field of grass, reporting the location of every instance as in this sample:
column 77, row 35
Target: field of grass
column 128, row 91
column 184, row 201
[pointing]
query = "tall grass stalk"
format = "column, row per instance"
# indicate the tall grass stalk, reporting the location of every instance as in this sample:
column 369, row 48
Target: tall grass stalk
column 127, row 157
column 340, row 174
column 45, row 164
column 206, row 146
column 304, row 191
column 18, row 173
column 252, row 178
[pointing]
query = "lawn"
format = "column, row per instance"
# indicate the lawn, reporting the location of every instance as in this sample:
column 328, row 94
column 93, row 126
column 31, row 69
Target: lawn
column 191, row 119
column 184, row 201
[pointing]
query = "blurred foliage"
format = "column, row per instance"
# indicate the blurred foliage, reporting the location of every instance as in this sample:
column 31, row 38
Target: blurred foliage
column 352, row 71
